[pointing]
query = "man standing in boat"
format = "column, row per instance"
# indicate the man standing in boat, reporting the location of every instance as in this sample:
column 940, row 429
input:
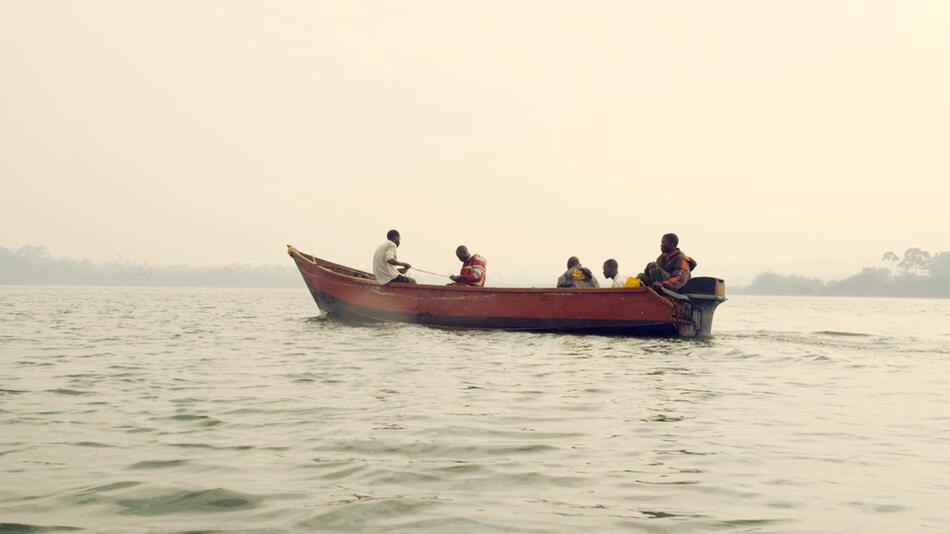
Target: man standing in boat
column 386, row 267
column 473, row 269
column 672, row 268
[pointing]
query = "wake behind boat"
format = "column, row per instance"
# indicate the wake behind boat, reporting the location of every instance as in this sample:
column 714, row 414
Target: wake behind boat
column 353, row 295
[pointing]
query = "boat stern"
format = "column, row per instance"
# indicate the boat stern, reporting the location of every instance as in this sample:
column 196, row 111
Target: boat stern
column 696, row 305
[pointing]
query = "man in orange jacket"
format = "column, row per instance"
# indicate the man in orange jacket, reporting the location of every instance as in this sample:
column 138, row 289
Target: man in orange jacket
column 672, row 268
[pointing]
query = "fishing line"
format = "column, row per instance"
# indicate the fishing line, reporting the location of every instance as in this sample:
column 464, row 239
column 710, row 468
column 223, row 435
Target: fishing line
column 430, row 272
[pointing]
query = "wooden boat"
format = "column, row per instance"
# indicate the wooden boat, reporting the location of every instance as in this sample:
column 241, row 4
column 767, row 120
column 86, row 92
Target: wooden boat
column 353, row 295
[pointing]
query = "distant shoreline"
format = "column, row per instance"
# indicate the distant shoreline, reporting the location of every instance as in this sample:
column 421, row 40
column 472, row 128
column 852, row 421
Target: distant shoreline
column 918, row 275
column 740, row 292
column 119, row 286
column 34, row 266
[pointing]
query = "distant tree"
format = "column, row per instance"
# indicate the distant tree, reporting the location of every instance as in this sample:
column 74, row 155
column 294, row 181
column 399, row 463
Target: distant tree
column 33, row 253
column 940, row 274
column 769, row 283
column 890, row 257
column 940, row 265
column 872, row 281
column 916, row 261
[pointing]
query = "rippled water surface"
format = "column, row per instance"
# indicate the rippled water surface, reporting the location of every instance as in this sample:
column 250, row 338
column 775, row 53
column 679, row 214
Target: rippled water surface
column 169, row 410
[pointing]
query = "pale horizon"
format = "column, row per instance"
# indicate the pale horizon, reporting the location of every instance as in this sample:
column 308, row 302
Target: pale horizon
column 804, row 138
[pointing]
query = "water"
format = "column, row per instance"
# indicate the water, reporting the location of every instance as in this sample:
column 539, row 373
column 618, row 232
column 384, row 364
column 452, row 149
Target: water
column 170, row 410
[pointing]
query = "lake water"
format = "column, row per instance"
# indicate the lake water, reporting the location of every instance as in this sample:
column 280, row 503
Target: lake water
column 170, row 410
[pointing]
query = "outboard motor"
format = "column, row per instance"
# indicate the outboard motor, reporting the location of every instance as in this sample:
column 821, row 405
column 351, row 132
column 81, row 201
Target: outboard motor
column 696, row 303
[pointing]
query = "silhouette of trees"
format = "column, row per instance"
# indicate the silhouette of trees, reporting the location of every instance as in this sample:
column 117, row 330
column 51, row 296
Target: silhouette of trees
column 34, row 265
column 940, row 266
column 920, row 274
column 915, row 261
column 770, row 283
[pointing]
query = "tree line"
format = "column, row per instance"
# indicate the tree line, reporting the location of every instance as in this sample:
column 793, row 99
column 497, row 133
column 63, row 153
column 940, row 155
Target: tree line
column 917, row 273
column 31, row 265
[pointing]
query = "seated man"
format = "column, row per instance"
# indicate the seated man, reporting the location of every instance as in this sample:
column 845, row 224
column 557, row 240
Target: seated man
column 473, row 269
column 619, row 280
column 672, row 268
column 385, row 263
column 576, row 275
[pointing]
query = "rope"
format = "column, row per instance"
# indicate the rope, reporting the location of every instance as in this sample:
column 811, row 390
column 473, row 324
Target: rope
column 429, row 272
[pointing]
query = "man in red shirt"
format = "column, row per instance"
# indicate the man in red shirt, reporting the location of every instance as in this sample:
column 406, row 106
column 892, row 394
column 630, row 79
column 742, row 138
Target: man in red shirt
column 473, row 268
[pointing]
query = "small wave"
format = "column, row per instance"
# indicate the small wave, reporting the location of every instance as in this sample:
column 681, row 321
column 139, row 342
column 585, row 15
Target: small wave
column 67, row 391
column 157, row 464
column 841, row 334
column 111, row 487
column 683, row 451
column 661, row 418
column 10, row 451
column 201, row 420
column 659, row 514
column 748, row 523
column 22, row 528
column 342, row 473
column 387, row 476
column 357, row 515
column 209, row 446
column 435, row 449
column 461, row 469
column 212, row 500
column 669, row 483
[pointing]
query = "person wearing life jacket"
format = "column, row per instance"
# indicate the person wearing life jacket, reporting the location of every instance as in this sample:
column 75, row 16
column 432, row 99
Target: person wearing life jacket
column 611, row 272
column 576, row 275
column 672, row 268
column 473, row 268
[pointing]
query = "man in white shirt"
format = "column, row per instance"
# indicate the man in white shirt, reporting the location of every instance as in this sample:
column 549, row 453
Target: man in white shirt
column 619, row 280
column 386, row 268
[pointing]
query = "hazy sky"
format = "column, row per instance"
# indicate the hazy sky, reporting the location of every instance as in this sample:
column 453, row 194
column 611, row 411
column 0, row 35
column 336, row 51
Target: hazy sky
column 802, row 136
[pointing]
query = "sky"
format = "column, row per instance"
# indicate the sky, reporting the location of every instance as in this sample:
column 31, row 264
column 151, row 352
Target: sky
column 800, row 137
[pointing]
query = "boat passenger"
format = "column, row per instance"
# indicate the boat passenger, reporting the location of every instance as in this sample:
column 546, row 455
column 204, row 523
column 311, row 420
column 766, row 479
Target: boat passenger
column 386, row 267
column 611, row 272
column 672, row 268
column 473, row 269
column 576, row 275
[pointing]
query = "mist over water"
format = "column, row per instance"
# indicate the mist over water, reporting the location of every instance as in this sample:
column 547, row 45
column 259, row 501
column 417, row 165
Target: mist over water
column 168, row 410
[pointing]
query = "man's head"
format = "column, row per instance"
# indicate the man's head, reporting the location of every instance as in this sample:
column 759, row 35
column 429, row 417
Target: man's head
column 669, row 243
column 610, row 268
column 393, row 235
column 573, row 262
column 462, row 253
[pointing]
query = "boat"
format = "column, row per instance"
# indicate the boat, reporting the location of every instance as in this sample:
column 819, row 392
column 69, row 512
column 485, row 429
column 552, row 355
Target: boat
column 352, row 295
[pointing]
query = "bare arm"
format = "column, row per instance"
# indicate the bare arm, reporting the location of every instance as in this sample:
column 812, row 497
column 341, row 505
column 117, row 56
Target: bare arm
column 404, row 266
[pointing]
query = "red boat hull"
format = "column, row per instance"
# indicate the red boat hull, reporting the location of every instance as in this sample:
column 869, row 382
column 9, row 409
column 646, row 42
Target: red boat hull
column 353, row 295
